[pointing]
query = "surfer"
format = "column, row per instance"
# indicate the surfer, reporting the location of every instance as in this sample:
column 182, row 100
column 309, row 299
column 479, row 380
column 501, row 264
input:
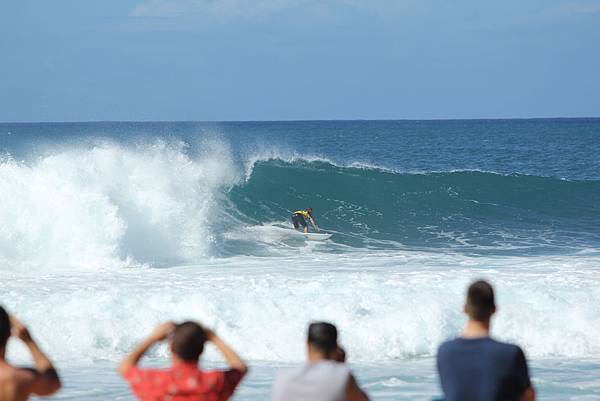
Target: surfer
column 299, row 219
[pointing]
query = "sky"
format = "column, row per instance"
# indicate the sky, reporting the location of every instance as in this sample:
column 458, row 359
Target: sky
column 220, row 60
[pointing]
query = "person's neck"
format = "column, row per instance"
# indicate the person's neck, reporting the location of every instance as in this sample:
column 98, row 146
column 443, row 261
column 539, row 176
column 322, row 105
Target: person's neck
column 476, row 329
column 3, row 354
column 316, row 356
column 178, row 361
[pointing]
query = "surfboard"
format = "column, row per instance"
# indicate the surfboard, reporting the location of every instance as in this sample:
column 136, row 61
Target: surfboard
column 313, row 236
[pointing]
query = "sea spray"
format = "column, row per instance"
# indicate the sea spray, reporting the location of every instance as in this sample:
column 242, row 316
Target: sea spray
column 110, row 206
column 388, row 307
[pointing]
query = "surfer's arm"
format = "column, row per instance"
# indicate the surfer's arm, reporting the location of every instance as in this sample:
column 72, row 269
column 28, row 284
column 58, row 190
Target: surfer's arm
column 232, row 358
column 159, row 334
column 314, row 223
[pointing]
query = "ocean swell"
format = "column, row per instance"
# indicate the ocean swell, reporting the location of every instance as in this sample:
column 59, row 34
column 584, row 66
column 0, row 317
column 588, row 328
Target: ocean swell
column 468, row 210
column 113, row 205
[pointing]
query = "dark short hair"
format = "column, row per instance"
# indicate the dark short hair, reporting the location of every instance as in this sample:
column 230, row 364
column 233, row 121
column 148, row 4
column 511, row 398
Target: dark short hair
column 4, row 327
column 323, row 336
column 188, row 341
column 480, row 300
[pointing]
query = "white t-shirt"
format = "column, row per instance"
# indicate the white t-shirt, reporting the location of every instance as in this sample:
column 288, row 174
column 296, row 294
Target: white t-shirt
column 318, row 381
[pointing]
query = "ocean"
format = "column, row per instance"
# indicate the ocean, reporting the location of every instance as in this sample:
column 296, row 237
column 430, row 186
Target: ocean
column 109, row 228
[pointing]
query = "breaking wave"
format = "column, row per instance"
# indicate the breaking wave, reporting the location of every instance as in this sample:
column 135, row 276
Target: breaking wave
column 113, row 205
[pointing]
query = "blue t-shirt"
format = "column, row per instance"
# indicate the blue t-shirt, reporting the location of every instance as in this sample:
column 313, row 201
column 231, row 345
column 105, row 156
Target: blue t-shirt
column 482, row 369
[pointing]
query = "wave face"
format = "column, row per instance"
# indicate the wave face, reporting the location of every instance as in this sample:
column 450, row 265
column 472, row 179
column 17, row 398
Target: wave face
column 113, row 205
column 469, row 210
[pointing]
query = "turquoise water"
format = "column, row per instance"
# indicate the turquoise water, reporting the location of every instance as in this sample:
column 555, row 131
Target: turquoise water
column 402, row 380
column 110, row 228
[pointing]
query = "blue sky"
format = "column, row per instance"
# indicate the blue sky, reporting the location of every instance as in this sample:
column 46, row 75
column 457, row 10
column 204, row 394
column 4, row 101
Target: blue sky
column 298, row 59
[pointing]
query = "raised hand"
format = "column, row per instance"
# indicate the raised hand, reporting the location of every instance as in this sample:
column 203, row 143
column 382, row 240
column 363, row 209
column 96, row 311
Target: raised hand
column 162, row 331
column 19, row 330
column 210, row 335
column 159, row 334
column 232, row 358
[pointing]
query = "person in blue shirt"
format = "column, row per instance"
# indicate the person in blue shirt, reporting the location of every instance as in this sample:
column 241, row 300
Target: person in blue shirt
column 475, row 367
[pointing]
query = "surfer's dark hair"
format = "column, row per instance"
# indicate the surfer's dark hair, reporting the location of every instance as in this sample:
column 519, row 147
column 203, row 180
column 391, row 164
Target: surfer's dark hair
column 4, row 327
column 188, row 341
column 323, row 336
column 480, row 301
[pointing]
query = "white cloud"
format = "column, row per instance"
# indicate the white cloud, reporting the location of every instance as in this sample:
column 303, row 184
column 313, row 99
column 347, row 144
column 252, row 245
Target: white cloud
column 222, row 8
column 249, row 8
column 570, row 8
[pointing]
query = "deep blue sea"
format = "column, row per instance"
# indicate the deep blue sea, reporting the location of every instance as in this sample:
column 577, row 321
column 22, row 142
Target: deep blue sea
column 107, row 229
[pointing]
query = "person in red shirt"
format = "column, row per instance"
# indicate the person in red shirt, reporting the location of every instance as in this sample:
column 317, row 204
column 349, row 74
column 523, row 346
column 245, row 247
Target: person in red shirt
column 183, row 381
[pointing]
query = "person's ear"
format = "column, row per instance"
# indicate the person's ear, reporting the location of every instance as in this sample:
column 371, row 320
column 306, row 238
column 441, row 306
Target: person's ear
column 493, row 310
column 339, row 355
column 466, row 309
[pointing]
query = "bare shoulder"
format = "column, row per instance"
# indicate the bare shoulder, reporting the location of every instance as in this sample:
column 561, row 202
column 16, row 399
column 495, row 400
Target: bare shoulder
column 13, row 373
column 17, row 383
column 354, row 392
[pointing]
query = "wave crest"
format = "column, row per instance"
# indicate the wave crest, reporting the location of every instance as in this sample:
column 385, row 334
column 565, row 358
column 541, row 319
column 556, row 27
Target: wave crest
column 110, row 206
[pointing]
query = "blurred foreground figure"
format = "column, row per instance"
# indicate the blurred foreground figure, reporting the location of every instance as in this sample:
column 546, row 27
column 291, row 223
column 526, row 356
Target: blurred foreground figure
column 183, row 381
column 18, row 384
column 325, row 377
column 475, row 367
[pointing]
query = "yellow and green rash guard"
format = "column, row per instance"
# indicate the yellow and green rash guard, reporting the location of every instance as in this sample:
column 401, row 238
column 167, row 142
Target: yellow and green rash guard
column 303, row 213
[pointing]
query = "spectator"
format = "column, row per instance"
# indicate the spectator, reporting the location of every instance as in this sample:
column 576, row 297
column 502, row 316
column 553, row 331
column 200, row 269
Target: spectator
column 183, row 380
column 20, row 383
column 325, row 377
column 475, row 367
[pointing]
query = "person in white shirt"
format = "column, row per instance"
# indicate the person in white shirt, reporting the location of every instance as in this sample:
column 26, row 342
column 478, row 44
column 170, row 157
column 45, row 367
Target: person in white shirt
column 325, row 377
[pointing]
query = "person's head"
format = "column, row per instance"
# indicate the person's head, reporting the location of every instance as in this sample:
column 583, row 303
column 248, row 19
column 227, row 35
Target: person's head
column 322, row 337
column 309, row 210
column 4, row 327
column 187, row 341
column 480, row 305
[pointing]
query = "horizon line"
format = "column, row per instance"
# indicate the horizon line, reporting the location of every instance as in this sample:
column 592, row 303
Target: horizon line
column 300, row 120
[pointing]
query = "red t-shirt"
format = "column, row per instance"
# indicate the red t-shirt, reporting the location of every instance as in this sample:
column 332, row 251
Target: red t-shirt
column 183, row 382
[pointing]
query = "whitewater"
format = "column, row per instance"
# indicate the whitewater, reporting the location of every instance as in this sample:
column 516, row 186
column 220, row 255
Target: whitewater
column 109, row 229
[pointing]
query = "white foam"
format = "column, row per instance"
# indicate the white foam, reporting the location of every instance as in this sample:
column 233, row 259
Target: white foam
column 388, row 306
column 111, row 205
column 266, row 155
